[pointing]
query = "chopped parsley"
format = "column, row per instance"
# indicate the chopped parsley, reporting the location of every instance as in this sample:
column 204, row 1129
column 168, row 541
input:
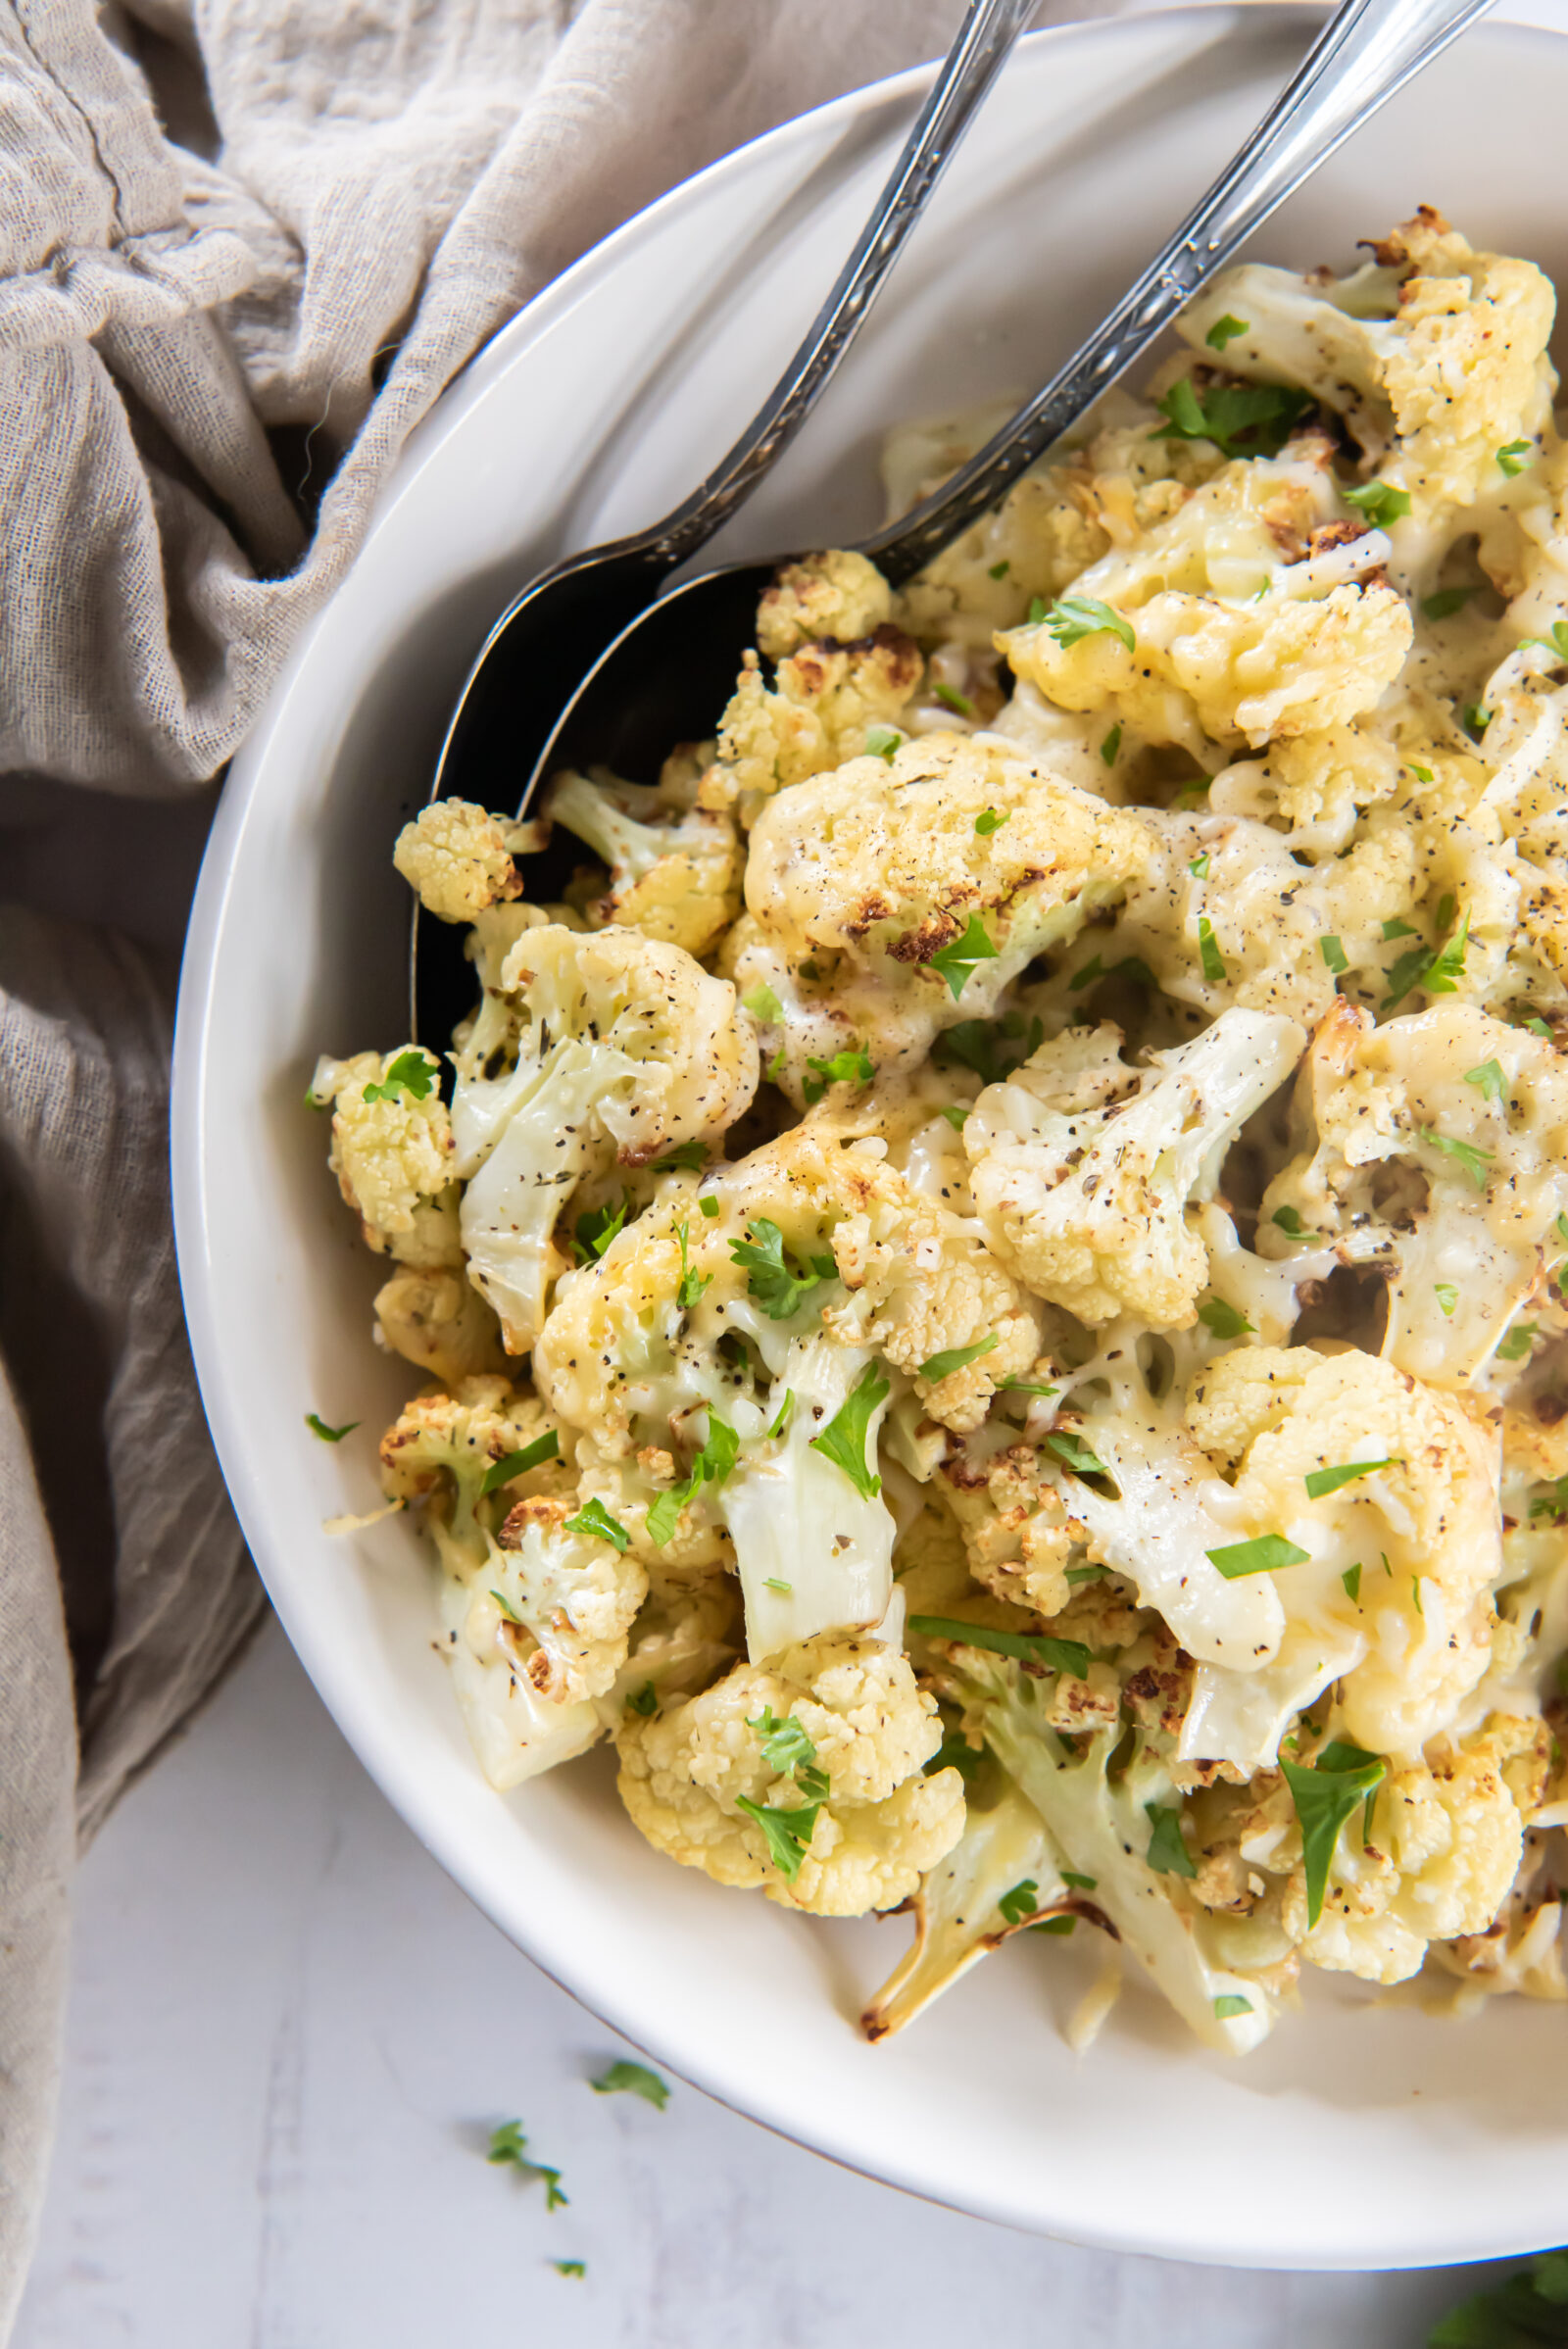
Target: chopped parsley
column 954, row 699
column 1111, row 745
column 999, row 571
column 1260, row 414
column 956, row 1114
column 1476, row 1161
column 1352, row 1578
column 1213, row 960
column 517, row 1463
column 781, row 1417
column 1476, row 719
column 1422, row 774
column 988, row 821
column 1073, row 618
column 1225, row 330
column 788, row 1834
column 772, row 1273
column 1378, row 502
column 843, row 1438
column 957, row 1358
column 773, row 1583
column 508, row 2144
column 1447, row 965
column 594, row 1519
column 505, row 1606
column 569, row 2267
column 1321, row 1481
column 959, row 957
column 597, row 1229
column 1515, row 455
column 1556, row 644
column 1333, row 954
column 411, row 1073
column 1553, row 1502
column 1131, row 967
column 1537, row 1027
column 1036, row 610
column 690, row 1154
column 691, row 1284
column 1230, row 2003
column 788, row 1745
column 1439, row 973
column 1224, row 1319
column 1325, row 1796
column 1023, row 1387
column 1447, row 1296
column 983, row 1044
column 1199, row 869
column 625, row 2078
column 1400, row 929
column 1446, row 602
column 882, row 741
column 708, row 1205
column 1530, row 2309
column 1264, row 1556
column 318, row 1427
column 1288, row 1222
column 851, row 1066
column 644, row 1701
column 712, row 1465
column 1075, row 1455
column 1020, row 1902
column 1490, row 1078
column 1080, row 1883
column 1517, row 1346
column 1167, row 1852
column 1030, row 1648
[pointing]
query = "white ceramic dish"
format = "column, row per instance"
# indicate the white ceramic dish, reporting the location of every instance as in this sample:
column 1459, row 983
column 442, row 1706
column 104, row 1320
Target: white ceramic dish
column 1359, row 2136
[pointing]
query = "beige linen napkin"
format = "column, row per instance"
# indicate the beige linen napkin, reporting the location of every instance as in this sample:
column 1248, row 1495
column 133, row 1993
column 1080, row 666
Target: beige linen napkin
column 244, row 244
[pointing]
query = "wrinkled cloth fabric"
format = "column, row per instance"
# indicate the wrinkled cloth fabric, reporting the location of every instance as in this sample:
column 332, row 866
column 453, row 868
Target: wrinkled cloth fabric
column 244, row 246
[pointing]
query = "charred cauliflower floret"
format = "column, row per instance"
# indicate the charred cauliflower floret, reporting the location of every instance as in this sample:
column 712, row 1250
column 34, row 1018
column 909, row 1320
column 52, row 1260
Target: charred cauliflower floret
column 459, row 858
column 1252, row 613
column 916, row 889
column 392, row 1152
column 804, row 1779
column 1083, row 1169
column 620, row 1049
column 1434, row 1145
column 1386, row 1490
column 823, row 703
column 1435, row 355
column 839, row 597
column 675, row 869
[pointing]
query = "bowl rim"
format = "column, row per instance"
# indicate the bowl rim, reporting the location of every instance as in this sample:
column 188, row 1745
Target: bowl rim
column 369, row 1735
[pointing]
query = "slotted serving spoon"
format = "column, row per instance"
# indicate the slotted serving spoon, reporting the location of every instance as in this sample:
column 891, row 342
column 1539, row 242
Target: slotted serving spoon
column 664, row 678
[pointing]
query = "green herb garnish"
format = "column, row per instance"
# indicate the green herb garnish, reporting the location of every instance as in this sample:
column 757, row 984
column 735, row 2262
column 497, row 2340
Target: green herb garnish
column 1352, row 1578
column 318, row 1427
column 1230, row 2003
column 1329, row 1480
column 569, row 2267
column 1518, row 1343
column 1379, row 502
column 1030, row 1648
column 1265, row 1555
column 1447, row 1296
column 594, row 1519
column 851, row 1066
column 788, row 1833
column 1167, row 1852
column 954, row 699
column 412, row 1073
column 1073, row 1454
column 1446, row 602
column 1476, row 1161
column 517, row 1463
column 1224, row 1319
column 1325, row 1796
column 1073, row 618
column 1288, row 1222
column 508, row 2144
column 597, row 1229
column 1556, row 644
column 1490, row 1078
column 773, row 1274
column 882, row 741
column 1020, row 1902
column 1515, row 455
column 1213, row 960
column 1333, row 954
column 1225, row 330
column 957, row 1358
column 988, row 821
column 1260, row 415
column 688, row 1155
column 691, row 1284
column 644, row 1700
column 843, row 1438
column 712, row 1465
column 959, row 957
column 1110, row 747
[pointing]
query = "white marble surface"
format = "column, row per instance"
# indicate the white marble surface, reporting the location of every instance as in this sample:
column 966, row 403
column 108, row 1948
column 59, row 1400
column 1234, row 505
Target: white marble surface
column 290, row 2036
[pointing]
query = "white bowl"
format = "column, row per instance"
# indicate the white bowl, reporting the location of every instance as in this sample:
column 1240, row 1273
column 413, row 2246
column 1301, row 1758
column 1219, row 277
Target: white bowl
column 1360, row 2135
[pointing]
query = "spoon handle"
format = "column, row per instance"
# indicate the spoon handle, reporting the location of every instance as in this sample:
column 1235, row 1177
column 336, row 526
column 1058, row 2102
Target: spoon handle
column 978, row 54
column 1366, row 52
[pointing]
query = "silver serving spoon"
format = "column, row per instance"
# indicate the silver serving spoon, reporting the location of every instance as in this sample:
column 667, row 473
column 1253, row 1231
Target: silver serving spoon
column 670, row 669
column 552, row 633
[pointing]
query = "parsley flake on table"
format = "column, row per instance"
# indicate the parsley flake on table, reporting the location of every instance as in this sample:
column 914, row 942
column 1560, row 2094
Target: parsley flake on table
column 569, row 2267
column 318, row 1427
column 412, row 1073
column 1321, row 1481
column 842, row 1441
column 508, row 2145
column 625, row 2078
column 957, row 1358
column 517, row 1463
column 1326, row 1795
column 771, row 1270
column 1029, row 1647
column 1264, row 1556
column 1378, row 502
column 594, row 1518
column 1071, row 619
column 958, row 959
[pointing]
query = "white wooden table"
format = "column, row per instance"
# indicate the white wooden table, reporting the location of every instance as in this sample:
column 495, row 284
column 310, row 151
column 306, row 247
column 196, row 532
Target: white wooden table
column 289, row 2038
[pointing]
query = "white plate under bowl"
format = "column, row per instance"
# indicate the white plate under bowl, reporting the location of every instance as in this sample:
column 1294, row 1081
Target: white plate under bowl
column 1359, row 2136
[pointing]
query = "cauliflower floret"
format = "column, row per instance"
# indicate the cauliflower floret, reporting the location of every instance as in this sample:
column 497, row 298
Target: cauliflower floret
column 393, row 1153
column 1435, row 355
column 695, row 1776
column 442, row 1446
column 575, row 1595
column 1521, row 1948
column 1226, row 914
column 1316, row 783
column 625, row 1048
column 824, row 701
column 1019, row 1536
column 744, row 1335
column 674, row 873
column 1209, row 636
column 459, row 858
column 438, row 1320
column 1436, row 1142
column 838, row 596
column 891, row 883
column 1083, row 1169
column 1400, row 1553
